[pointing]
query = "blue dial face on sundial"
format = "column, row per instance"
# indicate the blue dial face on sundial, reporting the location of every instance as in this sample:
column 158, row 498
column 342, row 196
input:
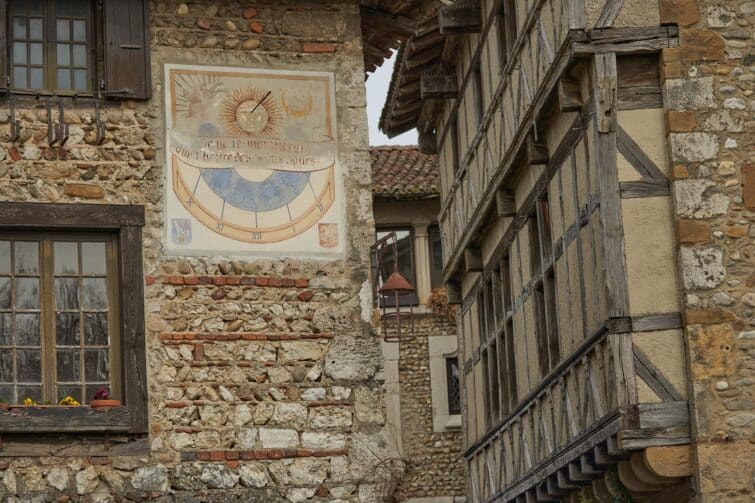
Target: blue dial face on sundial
column 253, row 157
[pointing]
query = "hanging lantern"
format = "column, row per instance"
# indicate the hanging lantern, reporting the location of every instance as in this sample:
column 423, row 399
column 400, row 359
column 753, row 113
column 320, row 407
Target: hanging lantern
column 391, row 295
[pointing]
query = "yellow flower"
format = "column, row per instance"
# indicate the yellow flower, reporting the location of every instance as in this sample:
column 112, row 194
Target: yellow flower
column 69, row 400
column 29, row 401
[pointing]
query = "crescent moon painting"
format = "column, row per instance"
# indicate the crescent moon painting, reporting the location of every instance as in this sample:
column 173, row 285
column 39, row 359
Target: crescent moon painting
column 251, row 158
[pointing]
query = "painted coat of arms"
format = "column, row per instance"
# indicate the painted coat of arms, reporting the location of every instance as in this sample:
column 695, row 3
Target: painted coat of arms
column 251, row 159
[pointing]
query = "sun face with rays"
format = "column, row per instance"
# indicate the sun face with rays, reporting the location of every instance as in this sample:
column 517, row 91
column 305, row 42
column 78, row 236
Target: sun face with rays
column 251, row 112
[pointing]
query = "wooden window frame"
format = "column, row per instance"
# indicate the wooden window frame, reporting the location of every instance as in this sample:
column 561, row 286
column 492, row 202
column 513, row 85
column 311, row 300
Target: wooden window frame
column 436, row 275
column 125, row 222
column 409, row 300
column 454, row 407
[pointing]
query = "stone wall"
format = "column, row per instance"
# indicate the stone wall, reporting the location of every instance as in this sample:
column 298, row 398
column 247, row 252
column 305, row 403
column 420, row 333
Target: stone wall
column 262, row 372
column 433, row 459
column 709, row 84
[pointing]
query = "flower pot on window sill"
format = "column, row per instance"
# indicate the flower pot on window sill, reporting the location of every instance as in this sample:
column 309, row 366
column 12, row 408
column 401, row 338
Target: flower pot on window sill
column 104, row 404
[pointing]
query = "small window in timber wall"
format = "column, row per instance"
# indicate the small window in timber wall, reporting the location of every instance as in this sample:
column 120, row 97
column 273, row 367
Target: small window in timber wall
column 453, row 385
column 479, row 99
column 436, row 256
column 455, row 153
column 544, row 287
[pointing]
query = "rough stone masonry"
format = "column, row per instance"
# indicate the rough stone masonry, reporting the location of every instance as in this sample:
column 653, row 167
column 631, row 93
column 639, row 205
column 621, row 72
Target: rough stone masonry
column 709, row 82
column 264, row 375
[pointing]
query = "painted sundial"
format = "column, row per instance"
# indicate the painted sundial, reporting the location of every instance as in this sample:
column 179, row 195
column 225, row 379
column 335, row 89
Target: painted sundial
column 251, row 158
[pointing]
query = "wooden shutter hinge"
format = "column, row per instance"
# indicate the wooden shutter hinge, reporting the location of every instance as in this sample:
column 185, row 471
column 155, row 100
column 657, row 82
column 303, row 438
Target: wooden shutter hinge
column 131, row 47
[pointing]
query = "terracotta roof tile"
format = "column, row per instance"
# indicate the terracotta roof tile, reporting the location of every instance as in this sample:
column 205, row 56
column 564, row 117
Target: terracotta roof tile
column 402, row 172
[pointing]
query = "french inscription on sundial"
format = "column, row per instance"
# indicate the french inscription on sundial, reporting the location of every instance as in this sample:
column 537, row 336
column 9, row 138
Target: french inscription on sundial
column 251, row 161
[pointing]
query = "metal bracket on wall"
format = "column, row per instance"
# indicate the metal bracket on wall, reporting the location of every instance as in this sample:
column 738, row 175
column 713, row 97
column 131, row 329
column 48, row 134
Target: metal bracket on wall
column 57, row 133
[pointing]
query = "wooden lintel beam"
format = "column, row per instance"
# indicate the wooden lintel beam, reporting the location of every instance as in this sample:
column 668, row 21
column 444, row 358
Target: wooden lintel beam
column 465, row 19
column 438, row 84
column 505, row 203
column 473, row 259
column 569, row 95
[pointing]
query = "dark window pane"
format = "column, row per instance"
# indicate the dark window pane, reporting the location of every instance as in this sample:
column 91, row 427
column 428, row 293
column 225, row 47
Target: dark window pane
column 454, row 388
column 95, row 293
column 37, row 78
column 79, row 30
column 67, row 293
column 93, row 258
column 27, row 293
column 19, row 76
column 27, row 391
column 96, row 365
column 80, row 80
column 95, row 329
column 72, row 391
column 19, row 53
column 63, row 53
column 28, row 365
column 35, row 54
column 67, row 329
column 64, row 30
column 66, row 257
column 19, row 6
column 80, row 55
column 7, row 394
column 27, row 257
column 69, row 365
column 6, row 329
column 436, row 257
column 6, row 365
column 27, row 329
column 63, row 7
column 35, row 29
column 35, row 7
column 4, row 257
column 19, row 28
column 64, row 78
column 5, row 293
column 79, row 8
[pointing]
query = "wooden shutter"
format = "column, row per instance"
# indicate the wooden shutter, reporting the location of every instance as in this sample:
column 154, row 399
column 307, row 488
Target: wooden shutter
column 4, row 67
column 126, row 36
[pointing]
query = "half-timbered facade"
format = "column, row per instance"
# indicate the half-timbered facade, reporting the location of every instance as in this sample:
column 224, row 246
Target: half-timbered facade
column 550, row 120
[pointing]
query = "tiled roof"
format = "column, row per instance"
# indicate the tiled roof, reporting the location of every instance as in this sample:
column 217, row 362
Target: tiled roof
column 401, row 172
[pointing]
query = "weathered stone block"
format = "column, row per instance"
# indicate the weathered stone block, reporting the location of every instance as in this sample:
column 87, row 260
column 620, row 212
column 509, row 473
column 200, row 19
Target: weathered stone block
column 275, row 438
column 151, row 478
column 686, row 94
column 697, row 198
column 702, row 268
column 693, row 147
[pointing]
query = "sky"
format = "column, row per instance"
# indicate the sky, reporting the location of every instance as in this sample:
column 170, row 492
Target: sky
column 377, row 90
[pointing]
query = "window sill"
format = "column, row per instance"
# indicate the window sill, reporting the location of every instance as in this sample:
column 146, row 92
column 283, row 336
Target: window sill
column 447, row 423
column 61, row 418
